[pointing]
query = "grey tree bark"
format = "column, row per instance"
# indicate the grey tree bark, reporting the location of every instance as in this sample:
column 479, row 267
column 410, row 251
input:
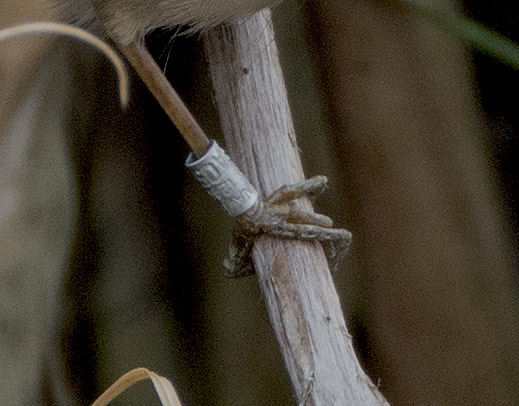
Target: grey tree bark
column 296, row 283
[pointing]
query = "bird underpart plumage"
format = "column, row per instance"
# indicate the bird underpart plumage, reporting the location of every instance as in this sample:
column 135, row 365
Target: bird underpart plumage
column 126, row 21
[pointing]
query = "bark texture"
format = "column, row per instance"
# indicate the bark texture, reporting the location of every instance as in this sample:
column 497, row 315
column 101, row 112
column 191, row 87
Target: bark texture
column 301, row 300
column 435, row 289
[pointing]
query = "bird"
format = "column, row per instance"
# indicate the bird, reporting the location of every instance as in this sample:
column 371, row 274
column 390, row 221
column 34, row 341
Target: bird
column 127, row 21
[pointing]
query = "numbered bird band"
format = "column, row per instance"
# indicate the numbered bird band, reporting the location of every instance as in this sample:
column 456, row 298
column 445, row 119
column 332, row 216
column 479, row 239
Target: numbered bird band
column 222, row 179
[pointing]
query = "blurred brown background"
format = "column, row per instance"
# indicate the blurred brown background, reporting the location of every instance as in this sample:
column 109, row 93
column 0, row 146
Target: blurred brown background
column 111, row 255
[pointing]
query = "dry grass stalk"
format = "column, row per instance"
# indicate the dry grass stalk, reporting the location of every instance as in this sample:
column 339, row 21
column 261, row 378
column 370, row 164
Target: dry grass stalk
column 165, row 390
column 47, row 27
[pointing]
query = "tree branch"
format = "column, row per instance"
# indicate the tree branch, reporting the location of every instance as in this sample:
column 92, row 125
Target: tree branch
column 301, row 300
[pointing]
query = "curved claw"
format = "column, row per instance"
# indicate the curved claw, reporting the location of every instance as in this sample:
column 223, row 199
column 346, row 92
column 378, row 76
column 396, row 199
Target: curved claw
column 279, row 217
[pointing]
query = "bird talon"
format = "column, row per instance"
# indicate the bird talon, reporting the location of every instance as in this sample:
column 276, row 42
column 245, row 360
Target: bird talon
column 279, row 217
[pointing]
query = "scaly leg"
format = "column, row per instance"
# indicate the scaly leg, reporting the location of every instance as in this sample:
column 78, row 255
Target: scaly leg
column 277, row 216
